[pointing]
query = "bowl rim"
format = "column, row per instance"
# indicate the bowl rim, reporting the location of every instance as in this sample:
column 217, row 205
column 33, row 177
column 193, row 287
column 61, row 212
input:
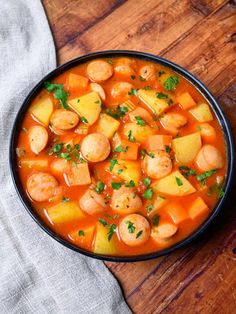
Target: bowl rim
column 149, row 57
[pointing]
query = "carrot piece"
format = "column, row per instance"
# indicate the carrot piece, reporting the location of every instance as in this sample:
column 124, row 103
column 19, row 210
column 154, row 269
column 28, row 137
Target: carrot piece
column 129, row 150
column 186, row 101
column 207, row 132
column 83, row 237
column 76, row 81
column 158, row 142
column 198, row 208
column 78, row 175
column 177, row 213
column 141, row 112
column 60, row 166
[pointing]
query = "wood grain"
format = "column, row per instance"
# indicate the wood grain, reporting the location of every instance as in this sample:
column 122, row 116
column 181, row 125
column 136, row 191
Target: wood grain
column 201, row 36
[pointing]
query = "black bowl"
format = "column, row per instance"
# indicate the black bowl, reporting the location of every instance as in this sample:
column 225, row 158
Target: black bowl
column 109, row 54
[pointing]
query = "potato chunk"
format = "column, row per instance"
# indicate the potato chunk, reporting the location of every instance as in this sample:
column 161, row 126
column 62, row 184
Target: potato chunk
column 87, row 106
column 131, row 170
column 107, row 125
column 156, row 203
column 202, row 113
column 65, row 212
column 36, row 164
column 42, row 110
column 187, row 147
column 138, row 131
column 174, row 184
column 186, row 101
column 101, row 244
column 149, row 98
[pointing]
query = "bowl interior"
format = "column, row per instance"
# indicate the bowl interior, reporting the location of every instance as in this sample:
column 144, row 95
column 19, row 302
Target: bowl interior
column 109, row 54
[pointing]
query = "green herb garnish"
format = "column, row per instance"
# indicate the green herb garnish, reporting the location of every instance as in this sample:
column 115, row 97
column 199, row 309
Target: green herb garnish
column 146, row 181
column 111, row 231
column 187, row 172
column 113, row 162
column 133, row 92
column 59, row 92
column 178, row 181
column 149, row 208
column 148, row 194
column 99, row 187
column 140, row 121
column 102, row 221
column 161, row 95
column 168, row 148
column 142, row 79
column 131, row 138
column 84, row 120
column 171, row 83
column 155, row 220
column 130, row 226
column 65, row 199
column 115, row 185
column 130, row 184
column 133, row 77
column 81, row 233
column 139, row 234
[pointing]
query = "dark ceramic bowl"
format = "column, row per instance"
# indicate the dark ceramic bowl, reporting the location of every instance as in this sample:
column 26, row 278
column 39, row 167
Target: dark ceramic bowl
column 109, row 54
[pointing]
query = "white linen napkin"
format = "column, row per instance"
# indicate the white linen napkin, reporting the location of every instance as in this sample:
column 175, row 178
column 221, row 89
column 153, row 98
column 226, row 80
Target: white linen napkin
column 37, row 274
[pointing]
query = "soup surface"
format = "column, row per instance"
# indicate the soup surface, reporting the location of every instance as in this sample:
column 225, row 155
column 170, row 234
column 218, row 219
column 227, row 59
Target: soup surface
column 121, row 156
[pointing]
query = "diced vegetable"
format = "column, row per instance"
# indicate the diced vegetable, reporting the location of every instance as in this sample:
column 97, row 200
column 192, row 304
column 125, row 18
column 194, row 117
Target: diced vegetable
column 154, row 206
column 76, row 81
column 116, row 141
column 131, row 170
column 107, row 125
column 198, row 208
column 172, row 122
column 102, row 245
column 174, row 184
column 65, row 212
column 208, row 133
column 87, row 106
column 202, row 113
column 149, row 98
column 186, row 101
column 83, row 237
column 139, row 132
column 159, row 142
column 78, row 175
column 187, row 147
column 128, row 150
column 177, row 213
column 42, row 110
column 37, row 164
column 60, row 166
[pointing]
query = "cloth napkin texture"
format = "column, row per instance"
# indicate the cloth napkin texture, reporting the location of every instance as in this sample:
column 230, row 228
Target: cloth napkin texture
column 37, row 274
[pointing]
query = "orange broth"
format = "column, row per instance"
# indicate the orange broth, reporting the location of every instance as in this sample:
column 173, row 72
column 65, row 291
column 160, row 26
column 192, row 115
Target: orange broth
column 99, row 171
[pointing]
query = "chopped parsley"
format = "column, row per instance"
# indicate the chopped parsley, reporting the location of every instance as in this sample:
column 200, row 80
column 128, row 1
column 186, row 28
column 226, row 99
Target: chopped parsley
column 102, row 221
column 161, row 95
column 155, row 220
column 130, row 226
column 168, row 148
column 119, row 171
column 140, row 121
column 59, row 92
column 206, row 174
column 198, row 128
column 187, row 172
column 115, row 185
column 171, row 83
column 111, row 231
column 142, row 79
column 113, row 162
column 99, row 187
column 160, row 73
column 118, row 113
column 57, row 148
column 139, row 234
column 146, row 181
column 130, row 184
column 149, row 208
column 84, row 120
column 133, row 92
column 217, row 189
column 144, row 152
column 178, row 181
column 65, row 199
column 131, row 138
column 120, row 148
column 109, row 61
column 81, row 233
column 147, row 87
column 148, row 194
column 133, row 77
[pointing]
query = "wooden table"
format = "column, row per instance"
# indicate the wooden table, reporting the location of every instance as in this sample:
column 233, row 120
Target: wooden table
column 200, row 36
